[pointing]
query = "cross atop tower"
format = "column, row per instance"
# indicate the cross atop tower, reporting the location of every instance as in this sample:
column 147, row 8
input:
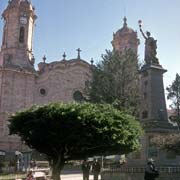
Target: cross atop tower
column 44, row 59
column 125, row 21
column 19, row 20
column 79, row 51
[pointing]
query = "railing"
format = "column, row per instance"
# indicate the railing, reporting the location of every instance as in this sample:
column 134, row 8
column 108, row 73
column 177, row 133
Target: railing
column 166, row 170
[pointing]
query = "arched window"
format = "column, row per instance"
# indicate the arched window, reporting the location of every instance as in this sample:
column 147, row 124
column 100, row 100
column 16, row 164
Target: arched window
column 21, row 35
column 4, row 37
column 145, row 114
column 78, row 96
column 145, row 95
column 4, row 32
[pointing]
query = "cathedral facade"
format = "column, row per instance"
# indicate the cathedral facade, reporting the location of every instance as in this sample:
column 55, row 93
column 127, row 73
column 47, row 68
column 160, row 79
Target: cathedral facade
column 22, row 86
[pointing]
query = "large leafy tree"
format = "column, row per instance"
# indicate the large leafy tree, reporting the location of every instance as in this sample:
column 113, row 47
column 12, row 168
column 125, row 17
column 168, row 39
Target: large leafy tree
column 75, row 131
column 115, row 81
column 168, row 142
column 174, row 96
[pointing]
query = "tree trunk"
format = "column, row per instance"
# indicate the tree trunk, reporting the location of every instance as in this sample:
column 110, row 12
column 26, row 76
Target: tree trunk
column 57, row 167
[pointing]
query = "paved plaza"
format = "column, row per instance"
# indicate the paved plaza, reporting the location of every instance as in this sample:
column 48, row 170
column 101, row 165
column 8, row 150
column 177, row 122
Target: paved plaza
column 78, row 176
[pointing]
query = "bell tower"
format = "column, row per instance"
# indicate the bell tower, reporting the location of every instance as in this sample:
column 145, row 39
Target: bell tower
column 125, row 38
column 16, row 49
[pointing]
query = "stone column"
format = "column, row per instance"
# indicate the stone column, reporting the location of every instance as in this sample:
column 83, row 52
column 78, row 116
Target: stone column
column 153, row 113
column 153, row 106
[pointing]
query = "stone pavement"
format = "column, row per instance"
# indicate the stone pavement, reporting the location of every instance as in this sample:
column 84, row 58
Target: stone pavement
column 77, row 176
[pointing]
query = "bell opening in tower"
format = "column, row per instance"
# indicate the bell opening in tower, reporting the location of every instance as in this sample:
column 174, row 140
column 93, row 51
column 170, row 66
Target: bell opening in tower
column 21, row 34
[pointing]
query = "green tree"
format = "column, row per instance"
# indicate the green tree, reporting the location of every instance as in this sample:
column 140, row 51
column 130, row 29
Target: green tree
column 75, row 131
column 115, row 81
column 168, row 142
column 174, row 96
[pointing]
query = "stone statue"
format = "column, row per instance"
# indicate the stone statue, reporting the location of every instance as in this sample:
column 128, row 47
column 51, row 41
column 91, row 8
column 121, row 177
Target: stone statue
column 150, row 47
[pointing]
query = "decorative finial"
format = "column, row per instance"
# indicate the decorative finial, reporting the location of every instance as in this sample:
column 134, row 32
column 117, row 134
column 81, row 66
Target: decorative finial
column 79, row 51
column 44, row 59
column 125, row 21
column 33, row 59
column 92, row 61
column 64, row 56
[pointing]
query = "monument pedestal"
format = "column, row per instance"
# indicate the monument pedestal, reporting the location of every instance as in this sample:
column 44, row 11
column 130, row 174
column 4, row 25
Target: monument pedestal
column 153, row 117
column 153, row 106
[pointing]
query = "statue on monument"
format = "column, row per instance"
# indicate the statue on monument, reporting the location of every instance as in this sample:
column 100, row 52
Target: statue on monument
column 150, row 47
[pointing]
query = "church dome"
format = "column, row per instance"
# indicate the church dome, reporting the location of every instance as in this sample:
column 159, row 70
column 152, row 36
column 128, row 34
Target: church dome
column 125, row 29
column 25, row 3
column 125, row 38
column 14, row 3
column 22, row 6
column 19, row 3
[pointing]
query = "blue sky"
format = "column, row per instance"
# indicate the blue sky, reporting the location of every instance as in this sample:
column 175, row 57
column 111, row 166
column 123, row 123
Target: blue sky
column 65, row 25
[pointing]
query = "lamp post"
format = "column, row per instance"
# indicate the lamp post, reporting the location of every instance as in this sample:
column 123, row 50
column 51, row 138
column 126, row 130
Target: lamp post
column 18, row 155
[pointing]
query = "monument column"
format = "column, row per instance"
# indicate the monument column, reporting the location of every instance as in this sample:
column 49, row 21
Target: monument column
column 153, row 97
column 153, row 106
column 153, row 112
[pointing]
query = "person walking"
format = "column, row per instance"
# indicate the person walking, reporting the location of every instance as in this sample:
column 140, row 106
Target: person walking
column 30, row 176
column 151, row 172
column 96, row 168
column 85, row 170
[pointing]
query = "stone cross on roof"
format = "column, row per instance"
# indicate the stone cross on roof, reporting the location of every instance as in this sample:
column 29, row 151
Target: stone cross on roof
column 64, row 56
column 79, row 51
column 92, row 61
column 44, row 59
